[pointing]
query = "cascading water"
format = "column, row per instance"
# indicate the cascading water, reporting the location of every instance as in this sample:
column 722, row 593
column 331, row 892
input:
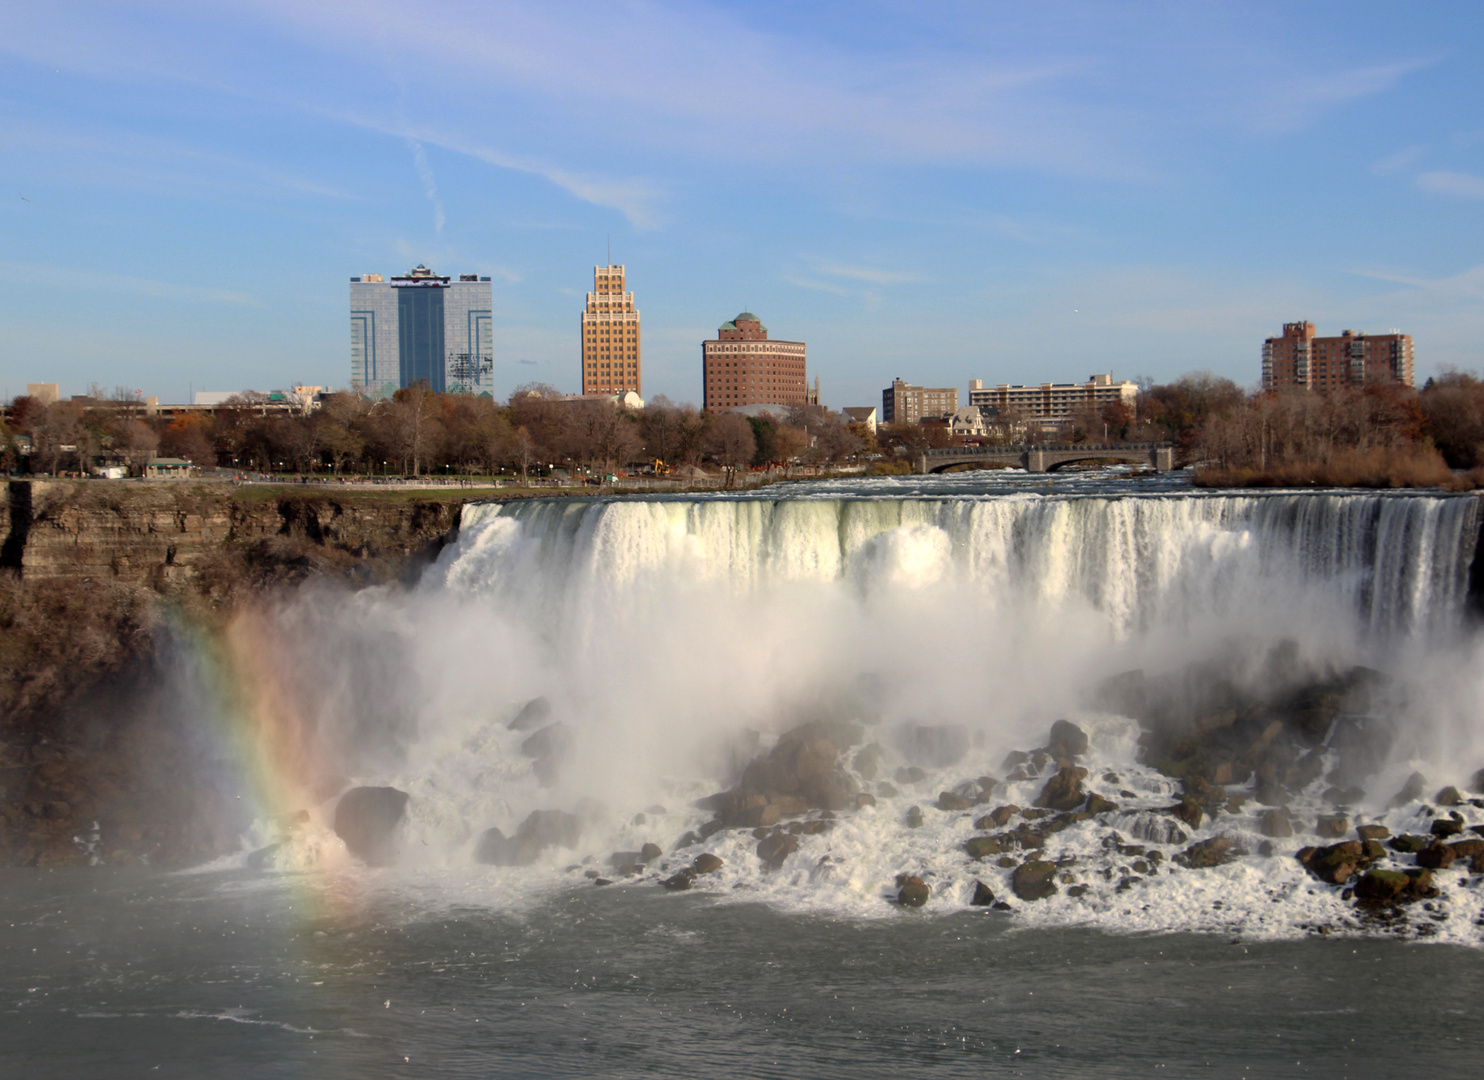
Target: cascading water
column 662, row 631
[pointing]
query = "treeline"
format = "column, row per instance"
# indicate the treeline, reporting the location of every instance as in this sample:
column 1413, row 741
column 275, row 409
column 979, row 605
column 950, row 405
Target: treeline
column 416, row 432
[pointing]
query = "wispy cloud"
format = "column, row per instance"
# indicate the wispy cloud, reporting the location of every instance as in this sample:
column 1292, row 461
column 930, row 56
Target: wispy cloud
column 870, row 274
column 1398, row 161
column 1291, row 103
column 430, row 185
column 1452, row 183
column 60, row 277
column 820, row 286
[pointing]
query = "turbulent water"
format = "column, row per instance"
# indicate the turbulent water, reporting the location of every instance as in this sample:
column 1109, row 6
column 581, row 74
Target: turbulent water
column 953, row 619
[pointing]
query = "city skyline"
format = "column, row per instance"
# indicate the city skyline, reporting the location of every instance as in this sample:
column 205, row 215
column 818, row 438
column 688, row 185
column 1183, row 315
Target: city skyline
column 997, row 194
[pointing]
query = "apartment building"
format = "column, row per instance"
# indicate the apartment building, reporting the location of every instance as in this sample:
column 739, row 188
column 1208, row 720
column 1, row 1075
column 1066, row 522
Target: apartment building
column 742, row 366
column 1299, row 358
column 1051, row 403
column 902, row 403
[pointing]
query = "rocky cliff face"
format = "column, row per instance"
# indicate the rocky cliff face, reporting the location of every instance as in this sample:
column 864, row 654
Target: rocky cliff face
column 92, row 765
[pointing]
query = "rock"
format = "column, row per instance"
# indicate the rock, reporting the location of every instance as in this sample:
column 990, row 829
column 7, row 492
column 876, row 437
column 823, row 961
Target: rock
column 912, row 890
column 997, row 817
column 1410, row 844
column 1334, row 864
column 909, row 774
column 1476, row 783
column 1275, row 823
column 1467, row 849
column 649, row 852
column 707, row 863
column 1446, row 827
column 1373, row 832
column 983, row 895
column 540, row 830
column 1332, row 826
column 913, row 818
column 687, row 840
column 773, row 850
column 1013, row 760
column 1378, row 888
column 680, row 881
column 1449, row 796
column 1157, row 829
column 864, row 799
column 1188, row 811
column 1206, row 853
column 550, row 746
column 366, row 818
column 1096, row 804
column 601, row 881
column 1064, row 790
column 1034, row 880
column 980, row 846
column 533, row 714
column 867, row 761
column 1411, row 791
column 1436, row 856
column 947, row 800
column 1067, row 741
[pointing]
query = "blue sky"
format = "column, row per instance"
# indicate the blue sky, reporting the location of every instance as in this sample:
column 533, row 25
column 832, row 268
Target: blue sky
column 941, row 191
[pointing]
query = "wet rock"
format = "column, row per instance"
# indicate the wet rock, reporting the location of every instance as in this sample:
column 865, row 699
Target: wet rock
column 912, row 891
column 979, row 847
column 773, row 850
column 1034, row 880
column 366, row 818
column 1411, row 791
column 1157, row 829
column 1334, row 864
column 533, row 714
column 1445, row 827
column 997, row 818
column 867, row 761
column 802, row 770
column 983, row 895
column 707, row 863
column 1476, row 783
column 1275, row 823
column 687, row 840
column 1436, row 856
column 680, row 881
column 864, row 799
column 1013, row 760
column 948, row 800
column 1206, row 853
column 1188, row 811
column 913, row 817
column 1410, row 844
column 909, row 774
column 551, row 746
column 1379, row 888
column 1332, row 826
column 1064, row 790
column 601, row 881
column 1096, row 804
column 1373, row 832
column 886, row 791
column 1467, row 849
column 1067, row 741
column 1449, row 796
column 649, row 852
column 540, row 830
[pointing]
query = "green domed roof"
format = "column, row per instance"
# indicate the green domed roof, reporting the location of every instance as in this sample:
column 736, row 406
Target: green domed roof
column 748, row 316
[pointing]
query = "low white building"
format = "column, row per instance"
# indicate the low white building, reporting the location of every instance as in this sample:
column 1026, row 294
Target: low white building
column 967, row 421
column 862, row 414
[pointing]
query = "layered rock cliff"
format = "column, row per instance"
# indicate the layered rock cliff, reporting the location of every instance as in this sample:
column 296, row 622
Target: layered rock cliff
column 93, row 576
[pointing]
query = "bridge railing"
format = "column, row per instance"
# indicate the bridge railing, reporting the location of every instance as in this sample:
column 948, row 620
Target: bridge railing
column 1021, row 448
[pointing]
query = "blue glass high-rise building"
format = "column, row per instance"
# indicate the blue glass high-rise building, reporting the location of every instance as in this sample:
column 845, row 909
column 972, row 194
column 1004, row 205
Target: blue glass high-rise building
column 421, row 326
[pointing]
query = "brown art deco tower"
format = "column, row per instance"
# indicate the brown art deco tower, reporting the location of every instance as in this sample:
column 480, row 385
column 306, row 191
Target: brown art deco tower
column 610, row 336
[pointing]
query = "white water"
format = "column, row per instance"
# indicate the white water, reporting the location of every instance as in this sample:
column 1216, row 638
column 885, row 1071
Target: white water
column 660, row 629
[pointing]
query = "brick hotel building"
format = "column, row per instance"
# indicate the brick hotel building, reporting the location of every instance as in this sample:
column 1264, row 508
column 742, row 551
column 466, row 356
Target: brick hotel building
column 740, row 366
column 611, row 360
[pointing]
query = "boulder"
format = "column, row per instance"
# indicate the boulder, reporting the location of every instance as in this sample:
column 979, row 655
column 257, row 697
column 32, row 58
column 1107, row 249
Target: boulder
column 1188, row 811
column 934, row 746
column 366, row 818
column 1411, row 791
column 1373, row 832
column 804, row 764
column 997, row 818
column 775, row 848
column 1410, row 844
column 1467, row 849
column 1380, row 888
column 983, row 895
column 980, row 846
column 1275, row 823
column 679, row 882
column 1034, row 880
column 912, row 891
column 649, row 852
column 913, row 817
column 707, row 863
column 1446, row 827
column 1206, row 853
column 1332, row 826
column 1067, row 741
column 909, row 774
column 1064, row 790
column 1436, row 856
column 948, row 800
column 1476, row 783
column 1096, row 804
column 550, row 746
column 1449, row 796
column 867, row 761
column 533, row 714
column 1337, row 863
column 540, row 830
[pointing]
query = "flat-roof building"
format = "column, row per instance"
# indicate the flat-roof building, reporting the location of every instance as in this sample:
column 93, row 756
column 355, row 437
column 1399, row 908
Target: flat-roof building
column 1051, row 403
column 421, row 326
column 902, row 403
column 741, row 366
column 611, row 351
column 1301, row 359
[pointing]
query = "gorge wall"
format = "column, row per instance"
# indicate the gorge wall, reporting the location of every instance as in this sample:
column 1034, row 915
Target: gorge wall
column 93, row 577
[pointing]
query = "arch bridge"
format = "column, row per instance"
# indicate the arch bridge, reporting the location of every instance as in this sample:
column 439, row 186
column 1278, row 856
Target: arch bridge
column 1048, row 457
